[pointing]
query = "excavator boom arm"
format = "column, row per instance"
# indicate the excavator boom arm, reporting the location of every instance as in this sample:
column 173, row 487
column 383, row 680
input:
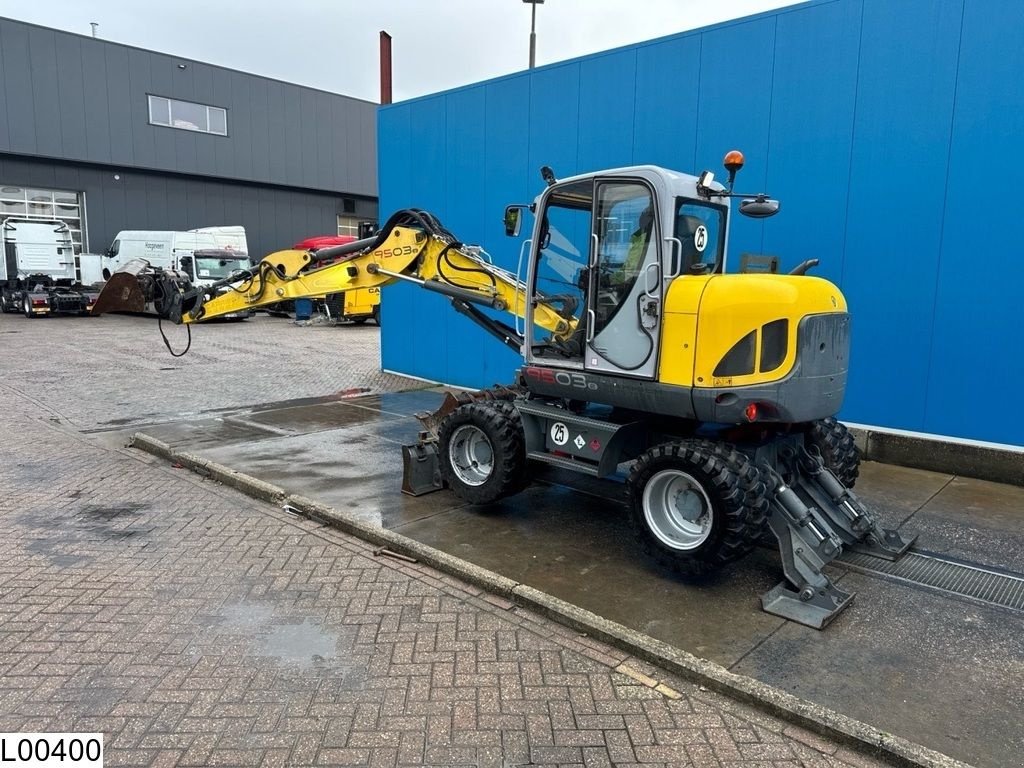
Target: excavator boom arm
column 283, row 276
column 412, row 247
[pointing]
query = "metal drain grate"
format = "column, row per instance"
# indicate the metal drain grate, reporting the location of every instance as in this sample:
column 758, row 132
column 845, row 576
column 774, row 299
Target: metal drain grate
column 975, row 582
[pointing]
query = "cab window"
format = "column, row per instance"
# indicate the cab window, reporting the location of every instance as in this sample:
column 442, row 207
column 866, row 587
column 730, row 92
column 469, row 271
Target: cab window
column 700, row 229
column 625, row 217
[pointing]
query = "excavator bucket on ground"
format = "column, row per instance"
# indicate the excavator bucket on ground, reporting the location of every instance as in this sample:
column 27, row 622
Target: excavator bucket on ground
column 121, row 293
column 139, row 286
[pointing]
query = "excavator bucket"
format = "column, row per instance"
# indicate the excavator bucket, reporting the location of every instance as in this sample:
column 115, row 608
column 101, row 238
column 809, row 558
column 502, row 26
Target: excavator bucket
column 139, row 286
column 421, row 472
column 121, row 293
column 126, row 290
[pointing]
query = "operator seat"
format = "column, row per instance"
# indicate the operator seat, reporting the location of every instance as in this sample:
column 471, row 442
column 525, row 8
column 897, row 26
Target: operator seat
column 686, row 229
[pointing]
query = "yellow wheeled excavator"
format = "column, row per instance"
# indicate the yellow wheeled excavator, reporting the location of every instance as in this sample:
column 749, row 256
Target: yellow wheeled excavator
column 715, row 392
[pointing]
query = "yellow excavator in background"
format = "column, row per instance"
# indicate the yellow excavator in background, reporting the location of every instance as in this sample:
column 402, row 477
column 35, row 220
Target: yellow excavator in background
column 718, row 391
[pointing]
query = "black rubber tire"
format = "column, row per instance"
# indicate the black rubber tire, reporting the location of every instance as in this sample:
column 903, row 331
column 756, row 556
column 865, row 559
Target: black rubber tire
column 755, row 490
column 5, row 305
column 501, row 424
column 360, row 320
column 26, row 307
column 737, row 495
column 376, row 315
column 840, row 452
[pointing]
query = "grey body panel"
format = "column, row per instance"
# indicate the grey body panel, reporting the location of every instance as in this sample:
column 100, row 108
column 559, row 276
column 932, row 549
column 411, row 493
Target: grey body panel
column 619, row 391
column 592, row 446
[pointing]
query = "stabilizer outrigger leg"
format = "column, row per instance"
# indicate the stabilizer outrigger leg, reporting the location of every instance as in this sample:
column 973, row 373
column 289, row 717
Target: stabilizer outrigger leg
column 807, row 543
column 855, row 524
column 813, row 516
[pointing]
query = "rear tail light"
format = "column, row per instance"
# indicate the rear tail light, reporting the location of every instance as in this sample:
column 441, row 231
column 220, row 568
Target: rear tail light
column 751, row 412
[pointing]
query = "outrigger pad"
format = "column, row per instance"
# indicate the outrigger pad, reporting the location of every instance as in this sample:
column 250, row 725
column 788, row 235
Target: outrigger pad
column 813, row 608
column 421, row 470
column 890, row 546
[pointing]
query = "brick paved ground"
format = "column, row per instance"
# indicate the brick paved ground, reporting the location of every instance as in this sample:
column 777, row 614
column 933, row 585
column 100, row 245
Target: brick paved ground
column 114, row 370
column 194, row 626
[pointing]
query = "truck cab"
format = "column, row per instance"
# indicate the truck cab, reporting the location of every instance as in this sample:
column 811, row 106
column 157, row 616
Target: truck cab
column 37, row 269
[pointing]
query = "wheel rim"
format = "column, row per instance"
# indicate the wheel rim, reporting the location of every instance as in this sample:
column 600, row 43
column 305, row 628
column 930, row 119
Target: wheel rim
column 677, row 510
column 471, row 455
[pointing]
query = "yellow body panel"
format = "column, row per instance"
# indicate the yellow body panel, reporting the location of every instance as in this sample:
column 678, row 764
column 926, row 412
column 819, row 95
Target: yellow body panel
column 360, row 303
column 289, row 262
column 677, row 349
column 679, row 333
column 729, row 307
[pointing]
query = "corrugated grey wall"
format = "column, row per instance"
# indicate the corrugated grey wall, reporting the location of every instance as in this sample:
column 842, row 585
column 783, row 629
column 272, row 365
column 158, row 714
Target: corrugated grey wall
column 72, row 97
column 274, row 218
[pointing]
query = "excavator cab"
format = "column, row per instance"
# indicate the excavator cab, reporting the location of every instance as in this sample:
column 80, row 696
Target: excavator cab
column 615, row 241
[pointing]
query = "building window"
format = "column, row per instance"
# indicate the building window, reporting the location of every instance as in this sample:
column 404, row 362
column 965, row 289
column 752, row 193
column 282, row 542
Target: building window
column 187, row 115
column 348, row 225
column 49, row 204
column 357, row 228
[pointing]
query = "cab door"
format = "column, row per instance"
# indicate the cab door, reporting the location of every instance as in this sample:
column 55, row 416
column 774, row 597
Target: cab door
column 624, row 302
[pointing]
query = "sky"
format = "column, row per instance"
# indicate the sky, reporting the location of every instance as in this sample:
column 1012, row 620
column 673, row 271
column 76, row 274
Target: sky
column 333, row 44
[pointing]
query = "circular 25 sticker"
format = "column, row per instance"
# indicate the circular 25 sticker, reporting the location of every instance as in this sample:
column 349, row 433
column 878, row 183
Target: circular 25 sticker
column 559, row 433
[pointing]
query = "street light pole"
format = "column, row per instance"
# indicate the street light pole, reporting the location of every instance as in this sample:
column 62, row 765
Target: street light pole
column 533, row 31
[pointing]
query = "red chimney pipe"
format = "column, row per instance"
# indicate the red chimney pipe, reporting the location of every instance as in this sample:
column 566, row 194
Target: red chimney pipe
column 385, row 67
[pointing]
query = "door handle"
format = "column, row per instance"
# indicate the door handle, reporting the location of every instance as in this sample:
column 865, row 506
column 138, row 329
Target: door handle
column 657, row 279
column 675, row 251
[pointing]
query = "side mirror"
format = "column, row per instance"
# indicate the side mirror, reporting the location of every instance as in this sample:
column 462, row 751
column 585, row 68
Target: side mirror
column 513, row 220
column 759, row 207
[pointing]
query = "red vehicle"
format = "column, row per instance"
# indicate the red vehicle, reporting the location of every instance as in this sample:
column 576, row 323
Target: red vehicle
column 323, row 241
column 359, row 305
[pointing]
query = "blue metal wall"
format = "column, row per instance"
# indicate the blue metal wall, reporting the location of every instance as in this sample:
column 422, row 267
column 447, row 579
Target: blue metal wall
column 892, row 130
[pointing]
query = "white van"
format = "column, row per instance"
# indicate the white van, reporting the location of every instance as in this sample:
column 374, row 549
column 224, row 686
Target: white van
column 226, row 248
